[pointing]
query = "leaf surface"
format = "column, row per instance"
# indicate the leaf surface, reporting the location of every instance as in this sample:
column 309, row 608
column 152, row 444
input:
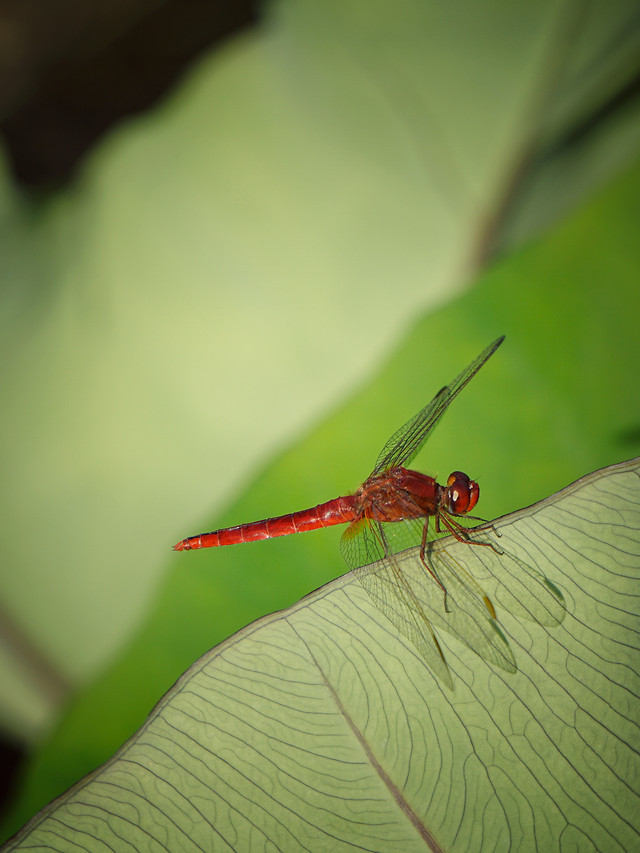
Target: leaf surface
column 320, row 728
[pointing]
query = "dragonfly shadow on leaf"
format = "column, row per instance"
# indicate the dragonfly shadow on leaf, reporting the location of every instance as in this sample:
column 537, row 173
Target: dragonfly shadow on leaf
column 519, row 588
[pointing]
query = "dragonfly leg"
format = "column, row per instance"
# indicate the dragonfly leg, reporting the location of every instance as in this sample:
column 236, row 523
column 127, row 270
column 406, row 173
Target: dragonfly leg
column 425, row 563
column 487, row 525
column 462, row 534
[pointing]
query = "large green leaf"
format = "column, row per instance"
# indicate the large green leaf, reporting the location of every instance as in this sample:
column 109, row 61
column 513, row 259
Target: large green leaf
column 320, row 728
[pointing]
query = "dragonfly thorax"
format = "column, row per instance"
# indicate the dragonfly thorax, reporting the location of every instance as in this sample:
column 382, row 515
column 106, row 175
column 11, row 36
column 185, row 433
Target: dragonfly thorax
column 399, row 493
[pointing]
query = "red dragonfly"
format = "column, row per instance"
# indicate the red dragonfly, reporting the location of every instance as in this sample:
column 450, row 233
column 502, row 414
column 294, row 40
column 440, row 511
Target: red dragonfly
column 391, row 494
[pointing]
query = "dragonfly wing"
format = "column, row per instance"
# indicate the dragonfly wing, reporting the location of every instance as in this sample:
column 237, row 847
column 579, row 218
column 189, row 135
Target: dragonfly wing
column 516, row 586
column 386, row 561
column 405, row 443
column 470, row 616
column 365, row 550
column 469, row 613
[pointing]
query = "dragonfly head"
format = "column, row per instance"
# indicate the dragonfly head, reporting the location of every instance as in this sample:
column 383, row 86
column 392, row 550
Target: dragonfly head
column 461, row 494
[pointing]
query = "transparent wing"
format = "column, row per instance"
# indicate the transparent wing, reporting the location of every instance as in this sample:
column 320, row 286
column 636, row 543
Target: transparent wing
column 387, row 563
column 405, row 443
column 391, row 591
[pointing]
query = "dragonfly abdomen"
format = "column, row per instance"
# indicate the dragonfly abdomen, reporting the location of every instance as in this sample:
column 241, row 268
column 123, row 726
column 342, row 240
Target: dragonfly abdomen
column 336, row 511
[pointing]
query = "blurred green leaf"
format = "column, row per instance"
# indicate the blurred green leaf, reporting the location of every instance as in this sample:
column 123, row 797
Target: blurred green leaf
column 319, row 728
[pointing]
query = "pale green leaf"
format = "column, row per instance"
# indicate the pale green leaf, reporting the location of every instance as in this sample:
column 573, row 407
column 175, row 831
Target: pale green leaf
column 319, row 728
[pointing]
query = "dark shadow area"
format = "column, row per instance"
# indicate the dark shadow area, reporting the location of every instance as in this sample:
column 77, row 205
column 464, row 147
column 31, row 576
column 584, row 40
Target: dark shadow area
column 69, row 71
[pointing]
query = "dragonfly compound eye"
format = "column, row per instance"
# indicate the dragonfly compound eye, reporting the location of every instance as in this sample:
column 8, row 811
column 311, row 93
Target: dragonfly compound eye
column 463, row 493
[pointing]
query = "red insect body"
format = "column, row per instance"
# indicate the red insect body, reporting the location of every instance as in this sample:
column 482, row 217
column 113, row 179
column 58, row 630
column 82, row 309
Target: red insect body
column 393, row 496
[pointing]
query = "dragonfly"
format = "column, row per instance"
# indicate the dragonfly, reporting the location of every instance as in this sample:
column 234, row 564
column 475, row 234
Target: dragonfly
column 396, row 509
